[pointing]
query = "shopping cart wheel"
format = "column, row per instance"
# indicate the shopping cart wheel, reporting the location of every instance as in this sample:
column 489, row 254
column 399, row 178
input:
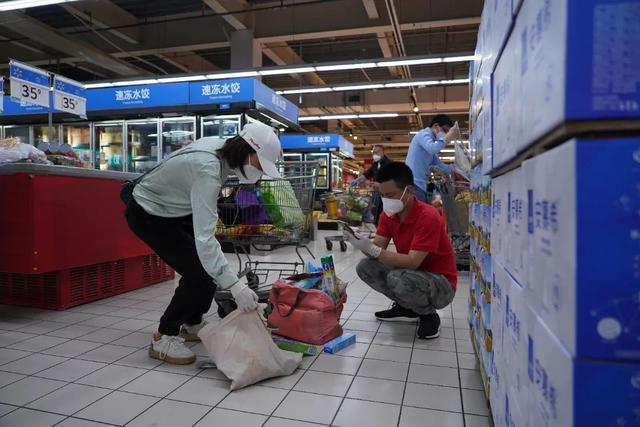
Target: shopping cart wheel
column 343, row 246
column 225, row 307
column 329, row 245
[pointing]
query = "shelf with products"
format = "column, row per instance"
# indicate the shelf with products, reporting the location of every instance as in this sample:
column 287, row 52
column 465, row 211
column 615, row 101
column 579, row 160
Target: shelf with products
column 176, row 133
column 142, row 145
column 110, row 145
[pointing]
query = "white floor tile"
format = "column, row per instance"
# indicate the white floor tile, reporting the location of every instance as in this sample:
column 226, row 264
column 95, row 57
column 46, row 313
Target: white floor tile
column 190, row 370
column 27, row 417
column 433, row 397
column 390, row 353
column 105, row 335
column 8, row 338
column 398, row 328
column 336, row 364
column 43, row 327
column 8, row 355
column 282, row 422
column 418, row 417
column 72, row 331
column 362, row 325
column 362, row 336
column 256, row 399
column 31, row 364
column 475, row 402
column 476, row 421
column 135, row 339
column 434, row 357
column 324, row 383
column 227, row 418
column 440, row 344
column 471, row 379
column 112, row 376
column 355, row 350
column 69, row 399
column 27, row 390
column 9, row 377
column 155, row 383
column 384, row 369
column 117, row 408
column 71, row 370
column 204, row 391
column 139, row 359
column 132, row 324
column 169, row 413
column 434, row 375
column 309, row 407
column 366, row 414
column 77, row 422
column 72, row 348
column 468, row 361
column 108, row 353
column 382, row 338
column 38, row 343
column 5, row 409
column 377, row 390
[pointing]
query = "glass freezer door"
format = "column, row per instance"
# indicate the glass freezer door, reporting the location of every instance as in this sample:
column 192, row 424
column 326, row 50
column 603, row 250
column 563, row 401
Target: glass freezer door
column 177, row 133
column 41, row 138
column 336, row 172
column 221, row 127
column 142, row 145
column 21, row 133
column 78, row 137
column 108, row 140
column 323, row 169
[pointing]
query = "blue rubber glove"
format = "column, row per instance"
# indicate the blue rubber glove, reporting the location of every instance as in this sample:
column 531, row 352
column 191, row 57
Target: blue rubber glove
column 353, row 183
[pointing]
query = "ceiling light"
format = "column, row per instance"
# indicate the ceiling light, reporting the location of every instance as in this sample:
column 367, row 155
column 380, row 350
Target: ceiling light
column 308, row 90
column 415, row 84
column 97, row 85
column 416, row 109
column 134, row 82
column 308, row 118
column 401, row 62
column 338, row 67
column 181, row 79
column 413, row 132
column 460, row 58
column 377, row 115
column 232, row 75
column 339, row 116
column 274, row 72
column 355, row 137
column 359, row 87
column 454, row 82
column 25, row 4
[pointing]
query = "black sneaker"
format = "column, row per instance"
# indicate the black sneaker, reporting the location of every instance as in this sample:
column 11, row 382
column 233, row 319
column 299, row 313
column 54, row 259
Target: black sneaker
column 397, row 314
column 429, row 327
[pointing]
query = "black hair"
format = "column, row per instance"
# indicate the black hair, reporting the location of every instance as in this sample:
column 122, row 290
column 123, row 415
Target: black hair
column 397, row 172
column 379, row 146
column 442, row 120
column 235, row 152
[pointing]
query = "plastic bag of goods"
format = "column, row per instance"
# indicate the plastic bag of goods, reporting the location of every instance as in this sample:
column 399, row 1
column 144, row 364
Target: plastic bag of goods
column 243, row 350
column 12, row 151
column 281, row 203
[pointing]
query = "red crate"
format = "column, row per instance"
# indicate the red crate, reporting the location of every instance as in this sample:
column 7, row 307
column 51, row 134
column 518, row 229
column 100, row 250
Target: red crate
column 79, row 285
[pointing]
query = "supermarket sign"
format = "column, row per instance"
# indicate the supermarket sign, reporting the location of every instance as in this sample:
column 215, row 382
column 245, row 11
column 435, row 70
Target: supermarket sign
column 69, row 96
column 139, row 96
column 29, row 84
column 317, row 142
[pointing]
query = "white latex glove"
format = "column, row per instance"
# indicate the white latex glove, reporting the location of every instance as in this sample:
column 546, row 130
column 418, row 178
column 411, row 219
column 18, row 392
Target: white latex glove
column 245, row 298
column 454, row 133
column 365, row 245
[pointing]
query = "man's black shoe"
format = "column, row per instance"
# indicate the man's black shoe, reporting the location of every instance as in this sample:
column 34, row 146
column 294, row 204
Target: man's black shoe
column 397, row 314
column 429, row 326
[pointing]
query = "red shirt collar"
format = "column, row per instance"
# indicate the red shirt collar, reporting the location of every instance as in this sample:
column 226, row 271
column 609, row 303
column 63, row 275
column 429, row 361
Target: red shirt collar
column 413, row 215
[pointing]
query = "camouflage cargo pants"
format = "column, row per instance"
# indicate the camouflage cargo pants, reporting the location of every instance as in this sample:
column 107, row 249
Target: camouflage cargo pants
column 420, row 291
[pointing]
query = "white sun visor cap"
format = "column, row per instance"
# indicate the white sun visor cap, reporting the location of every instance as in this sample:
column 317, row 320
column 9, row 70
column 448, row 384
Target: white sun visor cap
column 264, row 140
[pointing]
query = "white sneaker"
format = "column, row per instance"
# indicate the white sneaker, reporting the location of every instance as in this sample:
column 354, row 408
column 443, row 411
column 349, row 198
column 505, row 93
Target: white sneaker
column 190, row 332
column 171, row 349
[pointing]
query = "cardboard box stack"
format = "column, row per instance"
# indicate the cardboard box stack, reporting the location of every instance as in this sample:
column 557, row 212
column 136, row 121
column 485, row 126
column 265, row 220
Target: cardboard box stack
column 564, row 225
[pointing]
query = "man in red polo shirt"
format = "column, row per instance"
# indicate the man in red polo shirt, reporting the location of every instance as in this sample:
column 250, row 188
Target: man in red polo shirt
column 421, row 275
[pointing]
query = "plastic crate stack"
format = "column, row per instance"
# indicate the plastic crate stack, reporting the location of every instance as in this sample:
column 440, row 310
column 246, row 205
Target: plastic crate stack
column 560, row 137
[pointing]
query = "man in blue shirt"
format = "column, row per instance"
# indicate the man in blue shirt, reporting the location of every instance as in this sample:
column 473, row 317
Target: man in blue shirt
column 424, row 148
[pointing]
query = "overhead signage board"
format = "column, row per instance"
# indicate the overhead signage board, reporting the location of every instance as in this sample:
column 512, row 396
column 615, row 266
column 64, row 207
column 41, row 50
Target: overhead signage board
column 29, row 84
column 139, row 96
column 69, row 96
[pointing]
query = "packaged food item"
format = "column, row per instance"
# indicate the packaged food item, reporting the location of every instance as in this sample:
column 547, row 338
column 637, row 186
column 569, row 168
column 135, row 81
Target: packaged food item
column 296, row 346
column 329, row 279
column 339, row 343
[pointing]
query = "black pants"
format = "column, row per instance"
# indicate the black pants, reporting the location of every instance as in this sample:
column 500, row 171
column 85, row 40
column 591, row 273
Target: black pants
column 173, row 240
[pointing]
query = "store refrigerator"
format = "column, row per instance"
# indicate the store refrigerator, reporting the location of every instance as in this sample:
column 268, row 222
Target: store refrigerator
column 221, row 127
column 177, row 133
column 41, row 137
column 322, row 182
column 142, row 145
column 22, row 133
column 77, row 137
column 109, row 145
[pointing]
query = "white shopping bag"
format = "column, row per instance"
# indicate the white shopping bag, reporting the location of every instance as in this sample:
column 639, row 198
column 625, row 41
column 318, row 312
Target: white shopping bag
column 242, row 349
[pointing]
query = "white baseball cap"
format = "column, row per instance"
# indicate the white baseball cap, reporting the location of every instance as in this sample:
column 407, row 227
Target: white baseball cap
column 264, row 140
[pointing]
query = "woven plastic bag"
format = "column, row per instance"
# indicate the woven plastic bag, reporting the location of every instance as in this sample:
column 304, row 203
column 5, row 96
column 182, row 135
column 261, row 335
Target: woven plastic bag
column 281, row 203
column 243, row 350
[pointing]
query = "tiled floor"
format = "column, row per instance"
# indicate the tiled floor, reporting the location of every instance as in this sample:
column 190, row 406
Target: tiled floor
column 88, row 366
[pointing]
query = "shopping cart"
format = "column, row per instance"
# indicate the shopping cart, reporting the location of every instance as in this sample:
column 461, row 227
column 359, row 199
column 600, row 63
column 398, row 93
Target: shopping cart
column 455, row 199
column 266, row 216
column 356, row 208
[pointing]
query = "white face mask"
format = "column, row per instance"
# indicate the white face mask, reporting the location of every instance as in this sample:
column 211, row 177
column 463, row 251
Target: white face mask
column 251, row 174
column 393, row 206
column 377, row 158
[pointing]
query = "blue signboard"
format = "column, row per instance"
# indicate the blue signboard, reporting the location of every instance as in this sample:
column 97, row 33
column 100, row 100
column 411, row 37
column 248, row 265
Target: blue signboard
column 270, row 100
column 317, row 142
column 217, row 91
column 143, row 96
column 13, row 108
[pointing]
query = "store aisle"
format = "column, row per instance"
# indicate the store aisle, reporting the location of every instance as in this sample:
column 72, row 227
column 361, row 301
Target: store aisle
column 88, row 366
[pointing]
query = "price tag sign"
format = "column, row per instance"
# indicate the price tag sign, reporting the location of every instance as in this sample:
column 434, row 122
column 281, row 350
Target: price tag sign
column 29, row 84
column 69, row 96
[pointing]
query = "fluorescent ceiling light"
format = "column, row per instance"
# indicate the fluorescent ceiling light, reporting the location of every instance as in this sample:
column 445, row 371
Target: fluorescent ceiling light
column 374, row 115
column 413, row 132
column 308, row 90
column 338, row 67
column 339, row 116
column 448, row 150
column 25, row 4
column 454, row 82
column 275, row 72
column 134, row 82
column 308, row 118
column 415, row 84
column 97, row 85
column 359, row 87
column 232, row 75
column 460, row 58
column 181, row 79
column 422, row 61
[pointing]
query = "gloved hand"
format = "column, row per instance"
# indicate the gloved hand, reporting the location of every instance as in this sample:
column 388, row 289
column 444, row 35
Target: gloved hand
column 354, row 182
column 454, row 133
column 245, row 298
column 365, row 245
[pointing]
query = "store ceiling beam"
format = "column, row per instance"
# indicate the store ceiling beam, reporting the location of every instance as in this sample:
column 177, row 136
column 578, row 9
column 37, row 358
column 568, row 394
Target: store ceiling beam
column 219, row 6
column 48, row 36
column 105, row 14
column 371, row 9
column 189, row 62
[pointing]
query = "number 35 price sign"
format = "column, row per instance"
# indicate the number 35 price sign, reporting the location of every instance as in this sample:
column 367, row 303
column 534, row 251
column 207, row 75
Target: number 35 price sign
column 29, row 84
column 69, row 96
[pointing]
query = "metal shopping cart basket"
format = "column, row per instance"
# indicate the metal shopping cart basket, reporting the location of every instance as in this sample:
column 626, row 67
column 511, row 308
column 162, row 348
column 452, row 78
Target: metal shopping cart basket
column 268, row 215
column 356, row 208
column 455, row 199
